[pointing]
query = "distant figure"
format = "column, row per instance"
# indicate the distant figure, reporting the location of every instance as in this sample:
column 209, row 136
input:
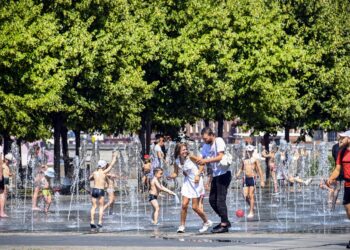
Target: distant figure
column 98, row 192
column 155, row 188
column 7, row 174
column 250, row 168
column 2, row 188
column 38, row 187
column 146, row 173
column 272, row 165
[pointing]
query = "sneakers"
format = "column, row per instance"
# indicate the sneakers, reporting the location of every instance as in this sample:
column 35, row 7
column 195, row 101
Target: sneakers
column 181, row 229
column 219, row 225
column 206, row 226
column 308, row 181
column 219, row 230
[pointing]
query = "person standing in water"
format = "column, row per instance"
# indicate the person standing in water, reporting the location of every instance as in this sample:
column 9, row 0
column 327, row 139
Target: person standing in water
column 155, row 188
column 7, row 174
column 192, row 187
column 272, row 165
column 212, row 152
column 98, row 192
column 250, row 168
column 2, row 189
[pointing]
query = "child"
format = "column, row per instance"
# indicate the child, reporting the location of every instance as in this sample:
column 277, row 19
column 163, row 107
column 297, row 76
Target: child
column 110, row 184
column 7, row 174
column 250, row 166
column 272, row 166
column 146, row 172
column 155, row 188
column 2, row 189
column 37, row 186
column 98, row 192
column 46, row 187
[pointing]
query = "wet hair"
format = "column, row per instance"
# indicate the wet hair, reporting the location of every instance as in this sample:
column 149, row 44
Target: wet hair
column 178, row 148
column 207, row 131
column 156, row 170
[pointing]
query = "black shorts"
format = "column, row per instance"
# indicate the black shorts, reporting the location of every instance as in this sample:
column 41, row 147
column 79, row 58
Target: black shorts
column 97, row 193
column 6, row 181
column 346, row 199
column 2, row 184
column 249, row 182
column 152, row 197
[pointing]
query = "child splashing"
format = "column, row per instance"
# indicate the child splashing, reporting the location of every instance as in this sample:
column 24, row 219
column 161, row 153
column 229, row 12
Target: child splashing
column 155, row 188
column 250, row 166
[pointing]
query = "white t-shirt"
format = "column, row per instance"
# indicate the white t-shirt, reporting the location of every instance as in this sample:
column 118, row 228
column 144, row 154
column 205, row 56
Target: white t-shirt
column 211, row 151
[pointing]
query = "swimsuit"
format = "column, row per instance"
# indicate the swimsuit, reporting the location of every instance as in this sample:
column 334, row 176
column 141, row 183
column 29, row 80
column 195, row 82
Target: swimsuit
column 6, row 180
column 46, row 192
column 97, row 193
column 249, row 182
column 110, row 190
column 152, row 197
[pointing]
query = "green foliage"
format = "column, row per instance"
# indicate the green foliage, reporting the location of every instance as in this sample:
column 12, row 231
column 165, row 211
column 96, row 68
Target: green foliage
column 112, row 65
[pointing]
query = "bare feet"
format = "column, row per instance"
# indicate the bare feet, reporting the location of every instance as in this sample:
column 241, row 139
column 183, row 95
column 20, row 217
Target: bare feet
column 36, row 209
column 4, row 216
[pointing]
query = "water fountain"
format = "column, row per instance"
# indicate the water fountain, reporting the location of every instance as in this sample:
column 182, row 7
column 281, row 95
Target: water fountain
column 292, row 210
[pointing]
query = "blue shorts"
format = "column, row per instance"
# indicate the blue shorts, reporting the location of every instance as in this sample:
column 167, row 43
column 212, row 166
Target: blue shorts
column 249, row 182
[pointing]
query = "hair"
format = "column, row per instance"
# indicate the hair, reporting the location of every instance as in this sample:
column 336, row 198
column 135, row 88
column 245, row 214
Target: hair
column 207, row 131
column 156, row 170
column 158, row 137
column 147, row 160
column 178, row 148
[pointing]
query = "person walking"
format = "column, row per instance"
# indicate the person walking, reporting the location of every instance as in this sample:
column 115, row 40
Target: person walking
column 212, row 153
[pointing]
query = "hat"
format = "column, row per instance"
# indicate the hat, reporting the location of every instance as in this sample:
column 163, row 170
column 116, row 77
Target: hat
column 50, row 173
column 101, row 163
column 345, row 134
column 146, row 156
column 9, row 157
column 250, row 148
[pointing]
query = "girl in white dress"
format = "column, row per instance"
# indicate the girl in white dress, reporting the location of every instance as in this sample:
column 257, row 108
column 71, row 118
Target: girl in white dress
column 192, row 187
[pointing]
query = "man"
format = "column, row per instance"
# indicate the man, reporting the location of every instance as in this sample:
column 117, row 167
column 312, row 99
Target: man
column 343, row 162
column 98, row 192
column 212, row 153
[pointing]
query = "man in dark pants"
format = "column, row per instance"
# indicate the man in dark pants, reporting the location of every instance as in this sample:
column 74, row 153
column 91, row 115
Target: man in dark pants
column 212, row 153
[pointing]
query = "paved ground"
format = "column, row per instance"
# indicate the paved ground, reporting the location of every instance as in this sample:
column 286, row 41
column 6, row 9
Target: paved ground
column 172, row 241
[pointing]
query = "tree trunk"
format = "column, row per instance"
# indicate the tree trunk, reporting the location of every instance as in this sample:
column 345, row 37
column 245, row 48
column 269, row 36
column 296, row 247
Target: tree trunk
column 206, row 122
column 220, row 126
column 65, row 150
column 286, row 133
column 77, row 141
column 57, row 124
column 20, row 166
column 7, row 143
column 266, row 142
column 148, row 135
column 141, row 134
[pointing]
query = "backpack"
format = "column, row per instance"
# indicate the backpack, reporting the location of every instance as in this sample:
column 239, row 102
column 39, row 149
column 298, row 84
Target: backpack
column 341, row 174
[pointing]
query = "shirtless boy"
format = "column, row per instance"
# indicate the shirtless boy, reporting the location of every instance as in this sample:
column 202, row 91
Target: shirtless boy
column 98, row 192
column 155, row 188
column 250, row 167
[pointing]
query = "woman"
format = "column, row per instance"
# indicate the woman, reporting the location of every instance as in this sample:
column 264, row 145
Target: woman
column 192, row 187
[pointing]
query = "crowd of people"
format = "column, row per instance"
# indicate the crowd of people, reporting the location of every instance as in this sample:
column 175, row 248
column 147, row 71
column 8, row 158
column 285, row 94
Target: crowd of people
column 201, row 173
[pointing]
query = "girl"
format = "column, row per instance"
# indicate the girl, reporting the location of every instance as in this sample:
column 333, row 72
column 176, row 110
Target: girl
column 192, row 188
